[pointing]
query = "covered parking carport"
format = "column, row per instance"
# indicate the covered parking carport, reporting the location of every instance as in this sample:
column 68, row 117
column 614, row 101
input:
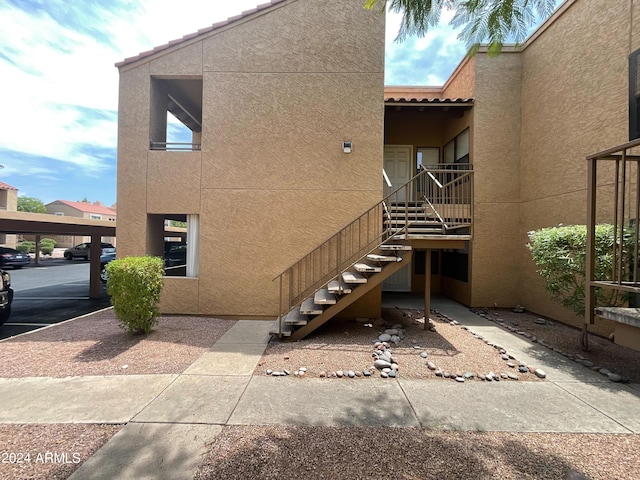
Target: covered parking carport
column 45, row 224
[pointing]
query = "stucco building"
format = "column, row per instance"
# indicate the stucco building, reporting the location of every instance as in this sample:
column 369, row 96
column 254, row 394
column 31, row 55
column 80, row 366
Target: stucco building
column 8, row 202
column 92, row 211
column 292, row 129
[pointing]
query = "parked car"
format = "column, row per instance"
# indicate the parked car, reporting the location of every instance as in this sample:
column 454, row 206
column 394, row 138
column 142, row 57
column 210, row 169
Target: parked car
column 83, row 250
column 6, row 296
column 10, row 257
column 175, row 254
column 105, row 258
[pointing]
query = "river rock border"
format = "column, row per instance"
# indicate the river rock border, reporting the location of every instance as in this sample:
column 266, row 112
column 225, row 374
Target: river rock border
column 584, row 361
column 510, row 360
column 386, row 365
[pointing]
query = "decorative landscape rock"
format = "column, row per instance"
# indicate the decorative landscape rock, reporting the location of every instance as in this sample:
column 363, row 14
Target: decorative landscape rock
column 460, row 379
column 540, row 373
column 513, row 376
column 384, row 337
column 614, row 377
column 380, row 364
column 423, row 354
column 431, row 366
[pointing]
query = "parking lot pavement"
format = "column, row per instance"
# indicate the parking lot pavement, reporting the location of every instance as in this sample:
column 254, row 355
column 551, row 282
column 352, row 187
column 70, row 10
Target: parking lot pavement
column 55, row 291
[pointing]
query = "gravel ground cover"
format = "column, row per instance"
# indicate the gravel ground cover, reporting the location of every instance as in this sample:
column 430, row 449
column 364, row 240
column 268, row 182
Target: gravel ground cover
column 49, row 452
column 343, row 346
column 602, row 352
column 97, row 345
column 288, row 452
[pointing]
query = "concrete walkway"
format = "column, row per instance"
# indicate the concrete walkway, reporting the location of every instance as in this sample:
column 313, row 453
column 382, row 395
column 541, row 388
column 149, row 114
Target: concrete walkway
column 171, row 418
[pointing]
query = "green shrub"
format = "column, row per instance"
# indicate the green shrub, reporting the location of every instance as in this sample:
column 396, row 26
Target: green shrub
column 560, row 254
column 135, row 284
column 46, row 249
column 26, row 247
column 48, row 241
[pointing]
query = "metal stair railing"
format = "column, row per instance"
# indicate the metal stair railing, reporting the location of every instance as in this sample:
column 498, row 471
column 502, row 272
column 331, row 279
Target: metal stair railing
column 448, row 192
column 369, row 230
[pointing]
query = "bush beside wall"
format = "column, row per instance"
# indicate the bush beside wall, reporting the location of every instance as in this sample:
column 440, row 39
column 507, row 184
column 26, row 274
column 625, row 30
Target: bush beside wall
column 135, row 284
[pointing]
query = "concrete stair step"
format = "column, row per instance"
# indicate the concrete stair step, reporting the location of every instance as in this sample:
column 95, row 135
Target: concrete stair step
column 287, row 330
column 309, row 307
column 339, row 287
column 381, row 258
column 354, row 278
column 295, row 317
column 324, row 297
column 366, row 268
column 394, row 247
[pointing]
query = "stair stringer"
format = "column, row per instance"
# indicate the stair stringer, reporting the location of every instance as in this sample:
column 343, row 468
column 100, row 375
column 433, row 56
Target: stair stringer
column 350, row 298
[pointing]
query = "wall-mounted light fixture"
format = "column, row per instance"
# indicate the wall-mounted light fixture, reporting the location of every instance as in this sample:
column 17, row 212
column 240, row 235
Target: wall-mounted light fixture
column 347, row 147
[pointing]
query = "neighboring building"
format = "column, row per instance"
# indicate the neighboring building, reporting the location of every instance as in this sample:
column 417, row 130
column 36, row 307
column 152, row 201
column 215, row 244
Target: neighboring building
column 264, row 179
column 92, row 211
column 9, row 202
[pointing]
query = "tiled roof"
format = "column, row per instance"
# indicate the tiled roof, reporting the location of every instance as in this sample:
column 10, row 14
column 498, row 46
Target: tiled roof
column 202, row 31
column 6, row 186
column 427, row 100
column 87, row 207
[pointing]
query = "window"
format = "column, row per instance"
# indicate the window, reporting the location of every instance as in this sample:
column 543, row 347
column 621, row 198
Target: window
column 455, row 263
column 95, row 217
column 419, row 262
column 428, row 156
column 175, row 238
column 634, row 95
column 457, row 150
column 60, row 214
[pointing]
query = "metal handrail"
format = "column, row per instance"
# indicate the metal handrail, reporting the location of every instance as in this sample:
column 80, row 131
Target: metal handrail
column 368, row 231
column 174, row 146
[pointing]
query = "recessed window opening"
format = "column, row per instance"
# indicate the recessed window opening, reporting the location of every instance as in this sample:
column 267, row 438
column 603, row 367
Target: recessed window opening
column 175, row 237
column 176, row 114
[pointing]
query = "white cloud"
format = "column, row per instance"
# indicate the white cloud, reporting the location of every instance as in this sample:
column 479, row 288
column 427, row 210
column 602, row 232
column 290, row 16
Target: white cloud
column 54, row 66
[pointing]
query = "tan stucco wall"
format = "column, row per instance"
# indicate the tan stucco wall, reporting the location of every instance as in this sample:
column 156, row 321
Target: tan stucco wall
column 496, row 159
column 461, row 84
column 281, row 91
column 574, row 103
column 8, row 202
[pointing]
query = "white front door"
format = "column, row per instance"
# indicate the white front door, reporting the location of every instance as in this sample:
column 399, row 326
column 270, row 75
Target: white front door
column 400, row 167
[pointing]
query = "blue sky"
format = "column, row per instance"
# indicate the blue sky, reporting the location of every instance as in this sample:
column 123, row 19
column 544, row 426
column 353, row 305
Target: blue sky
column 59, row 122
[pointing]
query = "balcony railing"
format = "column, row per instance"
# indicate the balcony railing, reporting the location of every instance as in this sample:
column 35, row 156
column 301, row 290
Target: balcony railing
column 174, row 146
column 612, row 197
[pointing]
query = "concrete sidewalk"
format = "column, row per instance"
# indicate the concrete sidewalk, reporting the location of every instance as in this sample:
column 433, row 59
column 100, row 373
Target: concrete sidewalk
column 171, row 418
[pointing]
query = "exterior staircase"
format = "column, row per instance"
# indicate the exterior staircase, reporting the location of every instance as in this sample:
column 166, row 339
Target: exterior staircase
column 434, row 204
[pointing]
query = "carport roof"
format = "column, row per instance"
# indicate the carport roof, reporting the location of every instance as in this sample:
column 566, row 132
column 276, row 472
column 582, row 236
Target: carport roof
column 42, row 223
